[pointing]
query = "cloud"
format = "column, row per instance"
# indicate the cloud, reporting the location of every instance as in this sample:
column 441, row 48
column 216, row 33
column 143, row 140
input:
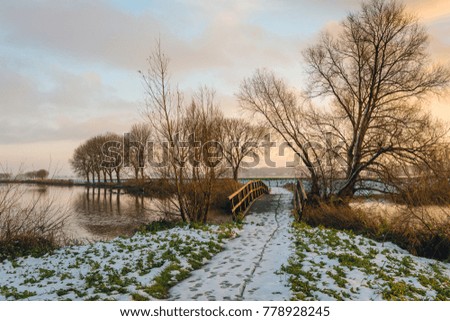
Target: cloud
column 97, row 32
column 80, row 29
column 68, row 69
column 63, row 128
column 76, row 106
column 429, row 10
column 32, row 156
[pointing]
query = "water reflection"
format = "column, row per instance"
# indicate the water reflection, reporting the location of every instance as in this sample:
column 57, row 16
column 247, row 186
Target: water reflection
column 95, row 213
column 106, row 213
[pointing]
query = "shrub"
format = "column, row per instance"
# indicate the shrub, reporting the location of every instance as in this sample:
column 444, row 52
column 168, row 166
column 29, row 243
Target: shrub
column 28, row 229
column 223, row 188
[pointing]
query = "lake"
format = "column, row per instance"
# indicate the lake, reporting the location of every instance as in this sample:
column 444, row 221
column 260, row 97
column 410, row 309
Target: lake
column 94, row 213
column 102, row 214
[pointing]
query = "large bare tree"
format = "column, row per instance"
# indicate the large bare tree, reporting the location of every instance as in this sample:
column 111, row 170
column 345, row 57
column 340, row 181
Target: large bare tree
column 374, row 73
column 376, row 70
column 283, row 110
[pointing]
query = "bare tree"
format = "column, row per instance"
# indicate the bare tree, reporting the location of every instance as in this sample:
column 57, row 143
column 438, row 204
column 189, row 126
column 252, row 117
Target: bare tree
column 111, row 155
column 92, row 152
column 163, row 106
column 284, row 110
column 377, row 70
column 80, row 162
column 185, row 128
column 239, row 139
column 201, row 128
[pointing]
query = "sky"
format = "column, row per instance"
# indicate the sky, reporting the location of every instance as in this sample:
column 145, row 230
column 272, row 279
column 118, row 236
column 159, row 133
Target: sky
column 69, row 68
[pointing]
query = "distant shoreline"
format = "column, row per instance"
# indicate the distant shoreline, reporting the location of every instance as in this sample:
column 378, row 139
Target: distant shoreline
column 66, row 183
column 123, row 184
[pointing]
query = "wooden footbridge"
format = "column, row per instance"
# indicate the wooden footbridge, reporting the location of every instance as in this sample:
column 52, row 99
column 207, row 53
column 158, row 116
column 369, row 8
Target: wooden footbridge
column 243, row 198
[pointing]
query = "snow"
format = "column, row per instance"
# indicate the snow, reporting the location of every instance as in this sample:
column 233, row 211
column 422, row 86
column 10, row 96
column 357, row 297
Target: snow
column 104, row 270
column 270, row 259
column 368, row 270
column 249, row 268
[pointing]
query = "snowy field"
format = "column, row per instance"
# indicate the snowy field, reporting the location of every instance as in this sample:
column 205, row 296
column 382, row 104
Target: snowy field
column 269, row 259
column 334, row 265
column 142, row 267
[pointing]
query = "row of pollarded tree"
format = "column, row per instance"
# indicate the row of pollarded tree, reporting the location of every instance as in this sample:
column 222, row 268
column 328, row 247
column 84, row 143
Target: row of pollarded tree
column 87, row 160
column 202, row 146
column 89, row 157
column 238, row 138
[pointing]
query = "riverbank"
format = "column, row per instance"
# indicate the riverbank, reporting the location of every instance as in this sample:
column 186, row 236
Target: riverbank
column 142, row 267
column 339, row 265
column 268, row 258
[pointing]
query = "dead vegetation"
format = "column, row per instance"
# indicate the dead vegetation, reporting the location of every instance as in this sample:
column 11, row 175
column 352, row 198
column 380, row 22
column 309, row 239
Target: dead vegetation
column 422, row 230
column 423, row 190
column 220, row 192
column 32, row 229
column 219, row 210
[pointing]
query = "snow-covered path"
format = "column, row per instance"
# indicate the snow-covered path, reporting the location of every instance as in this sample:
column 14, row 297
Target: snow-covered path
column 249, row 267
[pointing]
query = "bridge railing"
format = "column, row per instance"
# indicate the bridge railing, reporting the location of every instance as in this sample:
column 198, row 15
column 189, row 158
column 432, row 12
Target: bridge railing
column 300, row 199
column 243, row 198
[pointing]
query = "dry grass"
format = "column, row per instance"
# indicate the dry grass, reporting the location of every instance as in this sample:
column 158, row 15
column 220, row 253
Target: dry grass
column 223, row 188
column 343, row 217
column 219, row 206
column 413, row 228
column 31, row 229
column 423, row 190
column 424, row 220
column 157, row 188
column 417, row 217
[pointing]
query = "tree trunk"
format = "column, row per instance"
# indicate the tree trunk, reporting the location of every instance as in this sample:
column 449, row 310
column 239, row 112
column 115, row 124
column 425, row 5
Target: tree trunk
column 314, row 193
column 118, row 176
column 348, row 190
column 235, row 173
